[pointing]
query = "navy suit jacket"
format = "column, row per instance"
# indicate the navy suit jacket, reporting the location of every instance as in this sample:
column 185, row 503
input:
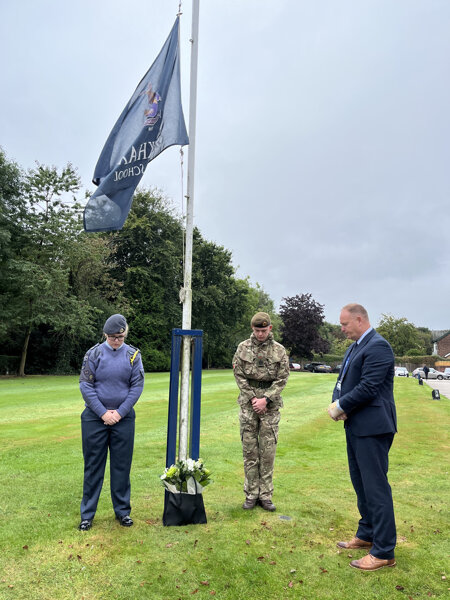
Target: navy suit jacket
column 366, row 393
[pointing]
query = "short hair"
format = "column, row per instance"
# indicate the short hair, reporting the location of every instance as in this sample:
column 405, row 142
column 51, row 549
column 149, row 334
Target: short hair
column 356, row 309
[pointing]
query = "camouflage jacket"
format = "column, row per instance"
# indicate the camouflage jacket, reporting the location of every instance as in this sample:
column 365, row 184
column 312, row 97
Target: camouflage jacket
column 261, row 370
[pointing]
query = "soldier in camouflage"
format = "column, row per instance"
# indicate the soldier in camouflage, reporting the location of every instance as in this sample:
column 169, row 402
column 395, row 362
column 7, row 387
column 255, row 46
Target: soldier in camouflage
column 261, row 369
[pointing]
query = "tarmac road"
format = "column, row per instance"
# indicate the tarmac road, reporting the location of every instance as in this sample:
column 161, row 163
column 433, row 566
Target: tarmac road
column 443, row 385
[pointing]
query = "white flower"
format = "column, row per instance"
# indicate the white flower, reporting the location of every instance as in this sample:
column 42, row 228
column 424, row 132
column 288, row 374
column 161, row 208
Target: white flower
column 186, row 476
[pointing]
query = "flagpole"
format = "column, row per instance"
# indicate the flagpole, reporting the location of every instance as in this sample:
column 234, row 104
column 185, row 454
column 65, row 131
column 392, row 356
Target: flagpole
column 186, row 293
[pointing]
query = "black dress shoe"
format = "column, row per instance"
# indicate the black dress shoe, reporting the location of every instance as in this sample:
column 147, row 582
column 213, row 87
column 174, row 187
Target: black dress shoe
column 125, row 521
column 85, row 524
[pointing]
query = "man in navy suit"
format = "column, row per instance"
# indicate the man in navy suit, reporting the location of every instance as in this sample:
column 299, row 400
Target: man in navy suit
column 363, row 398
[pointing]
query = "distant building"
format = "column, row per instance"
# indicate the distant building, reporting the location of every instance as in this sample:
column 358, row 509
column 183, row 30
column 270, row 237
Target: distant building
column 441, row 343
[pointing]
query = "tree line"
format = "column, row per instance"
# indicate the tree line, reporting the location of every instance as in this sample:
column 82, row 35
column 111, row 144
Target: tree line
column 59, row 284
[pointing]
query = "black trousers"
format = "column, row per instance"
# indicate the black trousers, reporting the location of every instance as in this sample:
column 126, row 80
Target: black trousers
column 97, row 438
column 368, row 463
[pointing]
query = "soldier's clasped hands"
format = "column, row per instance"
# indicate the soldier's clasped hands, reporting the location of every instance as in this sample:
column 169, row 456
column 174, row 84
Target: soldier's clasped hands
column 259, row 405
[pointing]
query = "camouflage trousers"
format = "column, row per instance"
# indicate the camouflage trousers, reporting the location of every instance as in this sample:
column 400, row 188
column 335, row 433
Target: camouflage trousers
column 259, row 436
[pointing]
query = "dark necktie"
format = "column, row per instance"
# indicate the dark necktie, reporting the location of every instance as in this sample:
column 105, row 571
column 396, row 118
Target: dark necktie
column 344, row 370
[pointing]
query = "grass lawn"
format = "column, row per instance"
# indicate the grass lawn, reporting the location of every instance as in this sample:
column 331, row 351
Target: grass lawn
column 239, row 554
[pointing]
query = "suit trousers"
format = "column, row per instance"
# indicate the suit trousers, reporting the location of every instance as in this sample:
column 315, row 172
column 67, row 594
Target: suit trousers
column 368, row 464
column 97, row 438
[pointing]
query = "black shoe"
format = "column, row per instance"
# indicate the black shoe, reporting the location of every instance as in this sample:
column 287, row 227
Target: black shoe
column 125, row 520
column 85, row 524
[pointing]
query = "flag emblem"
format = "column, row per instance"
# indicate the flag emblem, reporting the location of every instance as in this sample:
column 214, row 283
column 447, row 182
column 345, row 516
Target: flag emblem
column 152, row 114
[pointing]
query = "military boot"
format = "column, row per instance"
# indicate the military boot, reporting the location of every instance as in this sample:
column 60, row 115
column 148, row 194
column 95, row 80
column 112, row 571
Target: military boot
column 267, row 504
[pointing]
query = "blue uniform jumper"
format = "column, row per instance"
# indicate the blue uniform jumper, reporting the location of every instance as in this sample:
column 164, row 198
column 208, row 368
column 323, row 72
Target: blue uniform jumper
column 110, row 380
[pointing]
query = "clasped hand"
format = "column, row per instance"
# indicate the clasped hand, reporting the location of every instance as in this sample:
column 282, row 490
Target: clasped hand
column 336, row 413
column 259, row 405
column 111, row 417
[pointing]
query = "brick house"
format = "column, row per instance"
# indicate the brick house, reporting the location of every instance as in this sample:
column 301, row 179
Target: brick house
column 441, row 343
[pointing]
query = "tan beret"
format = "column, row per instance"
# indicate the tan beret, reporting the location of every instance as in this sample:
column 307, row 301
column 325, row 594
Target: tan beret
column 261, row 319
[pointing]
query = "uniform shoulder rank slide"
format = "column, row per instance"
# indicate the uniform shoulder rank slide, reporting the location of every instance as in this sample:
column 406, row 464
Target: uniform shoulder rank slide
column 131, row 355
column 95, row 349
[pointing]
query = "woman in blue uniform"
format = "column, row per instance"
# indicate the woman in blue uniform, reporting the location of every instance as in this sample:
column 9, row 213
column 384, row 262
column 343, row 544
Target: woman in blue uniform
column 111, row 382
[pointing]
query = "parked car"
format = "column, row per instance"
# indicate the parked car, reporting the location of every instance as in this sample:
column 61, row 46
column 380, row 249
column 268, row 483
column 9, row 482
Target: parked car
column 432, row 373
column 311, row 366
column 322, row 369
column 401, row 372
column 294, row 367
column 447, row 371
column 337, row 368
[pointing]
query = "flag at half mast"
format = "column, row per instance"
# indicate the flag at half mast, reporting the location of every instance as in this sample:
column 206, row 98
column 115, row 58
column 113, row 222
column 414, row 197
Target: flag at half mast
column 151, row 122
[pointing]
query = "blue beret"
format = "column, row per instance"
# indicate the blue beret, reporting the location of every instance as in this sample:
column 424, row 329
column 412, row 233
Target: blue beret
column 115, row 324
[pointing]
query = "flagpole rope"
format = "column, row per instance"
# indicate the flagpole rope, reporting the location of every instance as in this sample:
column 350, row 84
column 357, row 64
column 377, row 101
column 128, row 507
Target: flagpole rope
column 183, row 213
column 182, row 204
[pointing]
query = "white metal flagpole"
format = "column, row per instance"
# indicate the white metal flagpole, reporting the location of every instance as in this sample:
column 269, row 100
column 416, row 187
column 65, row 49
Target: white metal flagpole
column 186, row 292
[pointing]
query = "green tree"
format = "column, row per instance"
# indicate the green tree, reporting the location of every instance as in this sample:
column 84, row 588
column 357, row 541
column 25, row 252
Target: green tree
column 334, row 336
column 89, row 281
column 425, row 337
column 37, row 291
column 302, row 318
column 218, row 300
column 401, row 334
column 147, row 260
column 12, row 211
column 257, row 299
column 12, row 208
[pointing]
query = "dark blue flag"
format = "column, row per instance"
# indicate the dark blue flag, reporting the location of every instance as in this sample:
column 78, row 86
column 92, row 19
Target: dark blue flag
column 151, row 122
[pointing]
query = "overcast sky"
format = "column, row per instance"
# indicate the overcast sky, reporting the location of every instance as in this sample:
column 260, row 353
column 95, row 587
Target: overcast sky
column 323, row 128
